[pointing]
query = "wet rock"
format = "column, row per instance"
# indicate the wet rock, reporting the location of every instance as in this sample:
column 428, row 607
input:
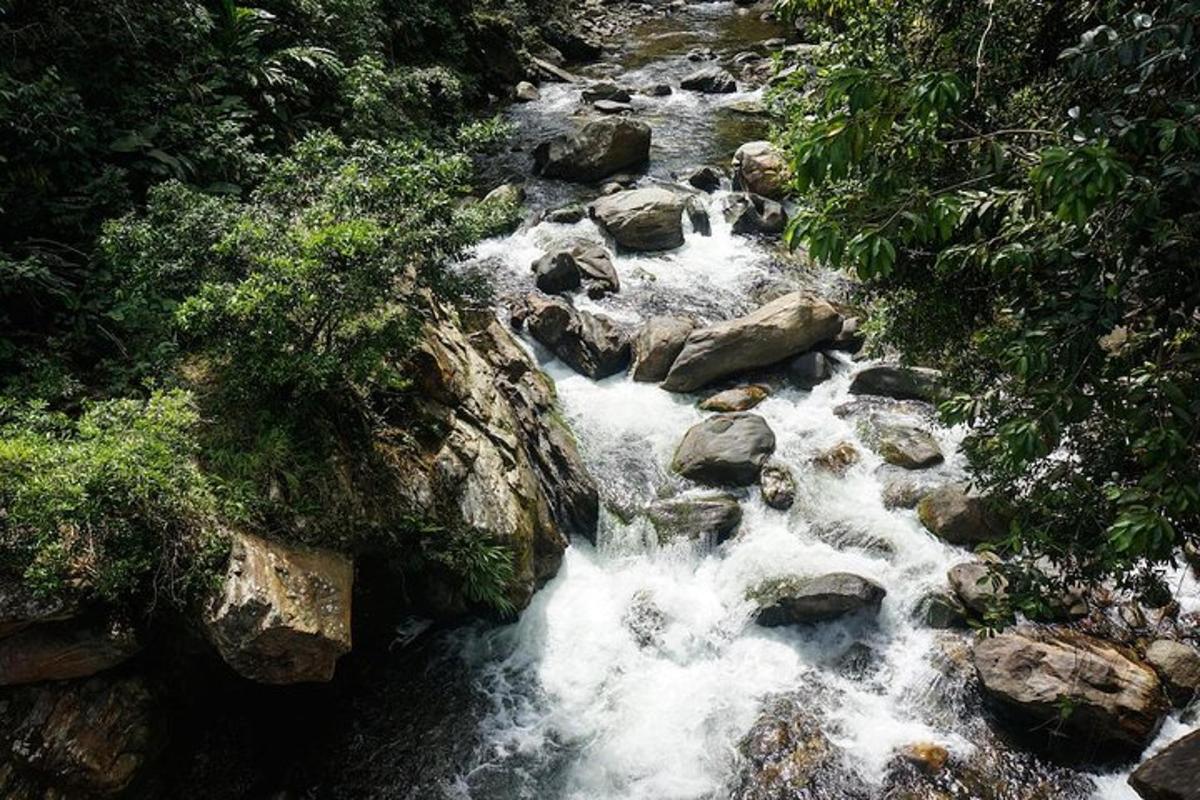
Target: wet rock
column 63, row 650
column 858, row 662
column 725, row 450
column 779, row 330
column 752, row 214
column 509, row 193
column 698, row 215
column 282, row 614
column 1178, row 665
column 809, row 371
column 958, row 516
column 903, row 493
column 706, row 179
column 844, row 534
column 526, row 92
column 709, row 519
column 1171, row 774
column 978, row 586
column 800, row 601
column 611, row 107
column 899, row 383
column 786, row 756
column 760, row 168
column 606, row 90
column 907, row 447
column 642, row 219
column 1073, row 694
column 928, row 757
column 602, row 148
column 644, row 619
column 710, row 80
column 567, row 215
column 778, row 486
column 657, row 346
column 591, row 344
column 659, row 90
column 77, row 739
column 551, row 72
column 940, row 611
column 556, row 273
column 838, row 459
column 741, row 398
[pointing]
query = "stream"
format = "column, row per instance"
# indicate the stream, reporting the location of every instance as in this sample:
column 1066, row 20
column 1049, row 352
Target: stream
column 578, row 706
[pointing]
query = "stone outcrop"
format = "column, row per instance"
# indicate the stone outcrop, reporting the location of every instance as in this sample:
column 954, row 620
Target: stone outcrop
column 899, row 383
column 282, row 614
column 642, row 219
column 709, row 519
column 602, row 148
column 1075, row 695
column 657, row 345
column 801, row 601
column 958, row 516
column 591, row 344
column 63, row 650
column 1171, row 774
column 77, row 739
column 759, row 168
column 779, row 330
column 725, row 450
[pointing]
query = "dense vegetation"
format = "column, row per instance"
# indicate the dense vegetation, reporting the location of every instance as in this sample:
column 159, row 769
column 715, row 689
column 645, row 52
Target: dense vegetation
column 220, row 222
column 1018, row 184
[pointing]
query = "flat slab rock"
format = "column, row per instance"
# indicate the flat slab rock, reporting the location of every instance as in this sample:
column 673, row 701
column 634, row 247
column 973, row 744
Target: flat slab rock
column 647, row 219
column 799, row 601
column 725, row 450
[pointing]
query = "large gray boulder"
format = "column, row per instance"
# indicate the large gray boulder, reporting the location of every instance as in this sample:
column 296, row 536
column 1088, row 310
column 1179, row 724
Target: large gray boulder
column 1178, row 664
column 555, row 273
column 760, row 168
column 709, row 519
column 657, row 345
column 779, row 330
column 1171, row 774
column 578, row 263
column 710, row 80
column 800, row 601
column 899, row 383
column 1076, row 695
column 642, row 219
column 591, row 344
column 725, row 450
column 956, row 515
column 282, row 614
column 602, row 148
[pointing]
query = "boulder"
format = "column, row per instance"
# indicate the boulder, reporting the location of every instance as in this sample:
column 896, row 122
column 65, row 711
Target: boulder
column 605, row 90
column 752, row 214
column 956, row 515
column 556, row 273
column 602, row 148
column 977, row 586
column 907, row 447
column 838, row 459
column 941, row 611
column 526, row 92
column 657, row 345
column 903, row 493
column 778, row 486
column 850, row 339
column 928, row 757
column 642, row 219
column 1178, row 665
column 809, row 371
column 509, row 193
column 282, row 614
column 800, row 601
column 742, row 398
column 706, row 179
column 697, row 214
column 899, row 383
column 1075, row 695
column 727, row 449
column 578, row 263
column 591, row 344
column 611, row 107
column 710, row 80
column 709, row 519
column 1171, row 774
column 567, row 215
column 760, row 168
column 77, row 739
column 779, row 330
column 64, row 650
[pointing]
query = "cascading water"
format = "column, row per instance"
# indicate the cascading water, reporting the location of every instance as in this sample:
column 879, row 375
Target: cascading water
column 635, row 672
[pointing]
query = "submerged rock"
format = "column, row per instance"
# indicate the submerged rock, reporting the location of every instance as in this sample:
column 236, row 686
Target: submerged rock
column 1171, row 774
column 958, row 516
column 657, row 346
column 708, row 518
column 710, row 80
column 283, row 612
column 741, row 398
column 725, row 450
column 899, row 383
column 1073, row 694
column 799, row 601
column 591, row 344
column 779, row 330
column 760, row 168
column 644, row 619
column 642, row 219
column 602, row 148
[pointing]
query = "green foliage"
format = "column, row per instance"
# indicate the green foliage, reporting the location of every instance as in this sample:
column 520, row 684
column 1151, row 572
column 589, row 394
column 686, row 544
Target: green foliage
column 1017, row 184
column 111, row 503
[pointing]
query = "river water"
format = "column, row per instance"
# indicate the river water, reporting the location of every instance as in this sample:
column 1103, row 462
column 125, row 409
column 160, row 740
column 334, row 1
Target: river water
column 578, row 707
